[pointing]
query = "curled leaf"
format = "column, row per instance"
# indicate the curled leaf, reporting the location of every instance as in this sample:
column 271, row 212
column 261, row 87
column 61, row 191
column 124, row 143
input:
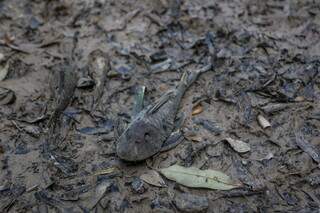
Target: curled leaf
column 307, row 147
column 209, row 125
column 85, row 83
column 35, row 131
column 98, row 68
column 238, row 146
column 4, row 69
column 162, row 66
column 196, row 178
column 195, row 138
column 7, row 96
column 299, row 99
column 197, row 109
column 269, row 156
column 153, row 178
column 97, row 194
column 105, row 171
column 264, row 123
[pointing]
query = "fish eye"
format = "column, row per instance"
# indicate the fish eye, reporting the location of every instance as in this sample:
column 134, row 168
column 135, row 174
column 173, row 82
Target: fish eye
column 164, row 127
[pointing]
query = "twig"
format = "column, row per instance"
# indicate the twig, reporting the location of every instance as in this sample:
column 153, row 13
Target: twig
column 13, row 47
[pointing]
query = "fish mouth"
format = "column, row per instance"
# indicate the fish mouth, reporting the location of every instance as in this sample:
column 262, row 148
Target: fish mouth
column 130, row 154
column 125, row 153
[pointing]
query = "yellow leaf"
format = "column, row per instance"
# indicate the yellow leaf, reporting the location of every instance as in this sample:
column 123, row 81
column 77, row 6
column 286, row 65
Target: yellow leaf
column 197, row 109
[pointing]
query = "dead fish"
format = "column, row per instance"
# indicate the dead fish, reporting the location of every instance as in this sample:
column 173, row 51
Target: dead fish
column 149, row 130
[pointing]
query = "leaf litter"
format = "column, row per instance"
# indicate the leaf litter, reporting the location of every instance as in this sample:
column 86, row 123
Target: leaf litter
column 238, row 145
column 266, row 63
column 153, row 178
column 264, row 123
column 7, row 96
column 4, row 67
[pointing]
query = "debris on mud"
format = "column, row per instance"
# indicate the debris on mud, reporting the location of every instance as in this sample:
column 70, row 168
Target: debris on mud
column 75, row 74
column 238, row 145
column 191, row 203
column 7, row 96
column 264, row 123
column 153, row 178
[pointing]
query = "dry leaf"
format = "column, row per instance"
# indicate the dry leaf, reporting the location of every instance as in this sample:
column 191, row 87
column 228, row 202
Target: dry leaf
column 299, row 99
column 197, row 109
column 264, row 123
column 196, row 178
column 105, row 171
column 33, row 130
column 4, row 68
column 97, row 194
column 238, row 146
column 268, row 157
column 195, row 138
column 7, row 96
column 153, row 178
column 307, row 147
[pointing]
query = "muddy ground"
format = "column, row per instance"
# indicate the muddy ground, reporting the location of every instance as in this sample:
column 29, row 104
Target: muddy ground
column 266, row 62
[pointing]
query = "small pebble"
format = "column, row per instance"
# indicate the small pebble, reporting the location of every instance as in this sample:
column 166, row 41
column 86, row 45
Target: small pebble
column 138, row 186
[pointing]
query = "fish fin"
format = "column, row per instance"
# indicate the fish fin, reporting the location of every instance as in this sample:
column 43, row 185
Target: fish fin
column 179, row 120
column 172, row 141
column 162, row 100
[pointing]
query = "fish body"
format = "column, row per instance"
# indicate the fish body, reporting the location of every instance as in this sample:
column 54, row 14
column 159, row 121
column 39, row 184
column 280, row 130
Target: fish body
column 147, row 132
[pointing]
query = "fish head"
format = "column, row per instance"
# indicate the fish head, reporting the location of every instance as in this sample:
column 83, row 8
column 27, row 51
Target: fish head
column 139, row 142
